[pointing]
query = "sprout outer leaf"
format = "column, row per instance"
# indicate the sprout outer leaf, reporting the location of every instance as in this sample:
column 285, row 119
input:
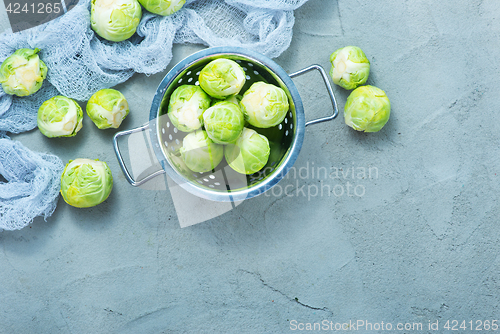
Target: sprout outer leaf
column 86, row 183
column 107, row 108
column 163, row 7
column 200, row 153
column 222, row 78
column 224, row 122
column 249, row 153
column 23, row 72
column 186, row 106
column 264, row 105
column 367, row 109
column 59, row 116
column 350, row 67
column 115, row 20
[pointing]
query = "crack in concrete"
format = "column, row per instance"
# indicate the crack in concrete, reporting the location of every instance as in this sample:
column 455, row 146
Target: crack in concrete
column 270, row 206
column 295, row 300
column 8, row 260
column 111, row 311
column 147, row 314
column 340, row 19
column 158, row 251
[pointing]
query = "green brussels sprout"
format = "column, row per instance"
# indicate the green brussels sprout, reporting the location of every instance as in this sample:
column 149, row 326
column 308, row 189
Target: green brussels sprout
column 367, row 109
column 107, row 108
column 235, row 99
column 350, row 67
column 186, row 106
column 162, row 7
column 86, row 182
column 23, row 72
column 59, row 116
column 200, row 153
column 115, row 20
column 249, row 153
column 264, row 105
column 224, row 122
column 222, row 78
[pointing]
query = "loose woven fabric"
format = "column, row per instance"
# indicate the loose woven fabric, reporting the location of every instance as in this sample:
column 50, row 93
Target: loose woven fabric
column 81, row 63
column 30, row 185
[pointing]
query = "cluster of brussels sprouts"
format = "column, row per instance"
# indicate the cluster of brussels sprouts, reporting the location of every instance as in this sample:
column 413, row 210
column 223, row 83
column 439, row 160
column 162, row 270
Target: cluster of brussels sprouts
column 117, row 20
column 23, row 73
column 61, row 116
column 218, row 118
column 367, row 108
column 84, row 182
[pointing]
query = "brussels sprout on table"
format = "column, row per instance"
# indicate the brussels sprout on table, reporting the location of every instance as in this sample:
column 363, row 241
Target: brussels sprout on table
column 86, row 183
column 367, row 109
column 224, row 122
column 249, row 153
column 59, row 116
column 200, row 153
column 107, row 108
column 350, row 67
column 222, row 78
column 264, row 105
column 162, row 7
column 23, row 72
column 186, row 106
column 115, row 20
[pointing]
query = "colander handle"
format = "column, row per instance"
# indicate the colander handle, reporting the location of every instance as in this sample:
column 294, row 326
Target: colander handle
column 328, row 88
column 122, row 163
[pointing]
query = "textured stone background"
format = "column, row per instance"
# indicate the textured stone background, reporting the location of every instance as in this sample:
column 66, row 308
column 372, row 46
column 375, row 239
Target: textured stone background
column 420, row 245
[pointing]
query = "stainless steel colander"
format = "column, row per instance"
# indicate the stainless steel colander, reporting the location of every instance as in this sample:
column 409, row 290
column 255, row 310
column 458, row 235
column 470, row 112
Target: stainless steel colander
column 224, row 184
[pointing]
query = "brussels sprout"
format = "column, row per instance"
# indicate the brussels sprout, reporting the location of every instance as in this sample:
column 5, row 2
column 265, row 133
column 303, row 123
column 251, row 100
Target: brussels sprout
column 59, row 116
column 367, row 109
column 235, row 99
column 163, row 7
column 224, row 122
column 200, row 153
column 86, row 182
column 222, row 78
column 350, row 67
column 107, row 108
column 115, row 20
column 23, row 72
column 186, row 107
column 249, row 153
column 264, row 105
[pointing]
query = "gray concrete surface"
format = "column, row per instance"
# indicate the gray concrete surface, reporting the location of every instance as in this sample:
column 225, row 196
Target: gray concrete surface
column 417, row 244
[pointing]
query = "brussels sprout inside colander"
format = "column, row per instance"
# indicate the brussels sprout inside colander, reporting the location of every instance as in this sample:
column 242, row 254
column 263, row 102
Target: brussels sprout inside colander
column 222, row 78
column 249, row 153
column 224, row 122
column 264, row 105
column 200, row 153
column 186, row 106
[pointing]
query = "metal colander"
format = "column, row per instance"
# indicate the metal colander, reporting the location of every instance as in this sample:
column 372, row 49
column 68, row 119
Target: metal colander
column 223, row 183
